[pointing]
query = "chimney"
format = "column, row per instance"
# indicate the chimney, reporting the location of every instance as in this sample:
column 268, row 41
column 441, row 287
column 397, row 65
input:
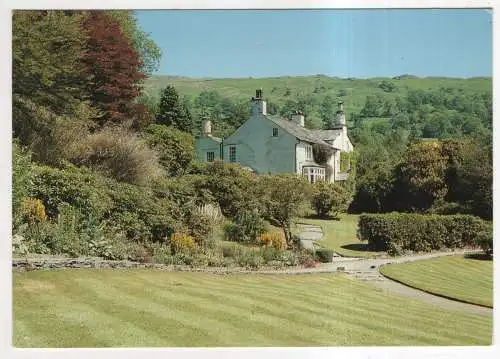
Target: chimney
column 341, row 106
column 298, row 118
column 258, row 103
column 340, row 116
column 206, row 128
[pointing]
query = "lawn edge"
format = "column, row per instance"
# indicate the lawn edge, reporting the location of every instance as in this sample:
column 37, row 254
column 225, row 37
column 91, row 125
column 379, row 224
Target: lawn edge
column 380, row 270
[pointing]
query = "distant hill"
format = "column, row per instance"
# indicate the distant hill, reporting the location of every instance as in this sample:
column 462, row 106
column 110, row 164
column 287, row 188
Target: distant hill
column 352, row 91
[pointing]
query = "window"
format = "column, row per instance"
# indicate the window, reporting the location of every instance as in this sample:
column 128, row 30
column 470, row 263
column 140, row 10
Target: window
column 275, row 132
column 309, row 152
column 313, row 174
column 210, row 156
column 232, row 153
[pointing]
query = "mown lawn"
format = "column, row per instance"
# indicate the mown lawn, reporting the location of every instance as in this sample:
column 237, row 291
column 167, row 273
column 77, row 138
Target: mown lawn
column 466, row 279
column 340, row 236
column 137, row 308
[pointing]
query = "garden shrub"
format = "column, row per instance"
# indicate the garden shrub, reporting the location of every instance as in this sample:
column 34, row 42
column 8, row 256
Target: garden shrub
column 231, row 250
column 140, row 213
column 246, row 227
column 324, row 255
column 202, row 222
column 275, row 239
column 77, row 187
column 485, row 240
column 22, row 174
column 269, row 253
column 182, row 243
column 176, row 148
column 235, row 189
column 250, row 259
column 329, row 198
column 32, row 210
column 400, row 232
column 120, row 154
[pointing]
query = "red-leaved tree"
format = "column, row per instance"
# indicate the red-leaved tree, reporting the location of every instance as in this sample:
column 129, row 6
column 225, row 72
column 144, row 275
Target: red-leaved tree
column 113, row 67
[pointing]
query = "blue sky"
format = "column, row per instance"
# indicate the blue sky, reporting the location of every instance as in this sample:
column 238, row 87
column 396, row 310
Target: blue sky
column 344, row 43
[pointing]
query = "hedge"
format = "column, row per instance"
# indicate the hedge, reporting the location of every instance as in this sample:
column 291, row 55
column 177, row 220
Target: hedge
column 324, row 255
column 400, row 232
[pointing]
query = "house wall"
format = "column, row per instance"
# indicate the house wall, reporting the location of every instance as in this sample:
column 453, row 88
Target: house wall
column 333, row 160
column 300, row 156
column 204, row 145
column 258, row 149
column 343, row 142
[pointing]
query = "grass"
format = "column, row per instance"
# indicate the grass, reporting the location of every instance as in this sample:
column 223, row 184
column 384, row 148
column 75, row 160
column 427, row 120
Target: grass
column 466, row 279
column 138, row 308
column 340, row 236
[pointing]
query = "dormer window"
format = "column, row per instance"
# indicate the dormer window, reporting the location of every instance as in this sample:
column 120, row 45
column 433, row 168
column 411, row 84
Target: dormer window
column 275, row 132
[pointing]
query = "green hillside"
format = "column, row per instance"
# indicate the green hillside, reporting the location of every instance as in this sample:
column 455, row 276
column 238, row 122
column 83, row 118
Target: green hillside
column 352, row 91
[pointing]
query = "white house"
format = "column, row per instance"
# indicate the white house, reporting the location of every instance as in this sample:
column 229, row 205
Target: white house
column 270, row 144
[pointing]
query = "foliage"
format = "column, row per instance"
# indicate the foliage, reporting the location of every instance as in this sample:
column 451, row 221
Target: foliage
column 172, row 111
column 113, row 67
column 345, row 161
column 22, row 177
column 147, row 49
column 50, row 137
column 329, row 198
column 321, row 154
column 246, row 227
column 324, row 255
column 399, row 232
column 202, row 223
column 176, row 149
column 422, row 175
column 284, row 196
column 273, row 239
column 120, row 154
column 46, row 46
column 236, row 190
column 32, row 210
column 77, row 187
column 485, row 240
column 182, row 243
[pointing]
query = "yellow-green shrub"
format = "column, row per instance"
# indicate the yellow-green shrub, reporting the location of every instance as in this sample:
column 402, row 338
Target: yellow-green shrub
column 182, row 243
column 274, row 239
column 33, row 210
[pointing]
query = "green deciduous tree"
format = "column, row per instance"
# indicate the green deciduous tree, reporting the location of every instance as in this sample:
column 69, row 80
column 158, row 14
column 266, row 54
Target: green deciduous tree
column 175, row 148
column 46, row 69
column 422, row 175
column 284, row 198
column 147, row 49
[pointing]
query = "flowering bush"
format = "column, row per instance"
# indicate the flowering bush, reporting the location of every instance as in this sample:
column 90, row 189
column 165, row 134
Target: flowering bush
column 32, row 210
column 182, row 243
column 274, row 239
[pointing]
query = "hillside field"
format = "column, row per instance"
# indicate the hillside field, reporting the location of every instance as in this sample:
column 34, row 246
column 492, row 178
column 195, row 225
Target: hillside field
column 352, row 91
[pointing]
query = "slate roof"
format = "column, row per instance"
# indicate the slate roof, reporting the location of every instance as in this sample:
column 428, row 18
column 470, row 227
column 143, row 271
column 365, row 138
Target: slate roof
column 215, row 138
column 298, row 131
column 327, row 135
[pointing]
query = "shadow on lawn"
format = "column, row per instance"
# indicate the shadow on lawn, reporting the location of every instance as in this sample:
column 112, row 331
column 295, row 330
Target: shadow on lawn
column 315, row 216
column 360, row 247
column 479, row 256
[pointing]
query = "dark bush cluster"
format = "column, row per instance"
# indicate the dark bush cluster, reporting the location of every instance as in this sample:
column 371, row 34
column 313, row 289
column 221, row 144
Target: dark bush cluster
column 400, row 232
